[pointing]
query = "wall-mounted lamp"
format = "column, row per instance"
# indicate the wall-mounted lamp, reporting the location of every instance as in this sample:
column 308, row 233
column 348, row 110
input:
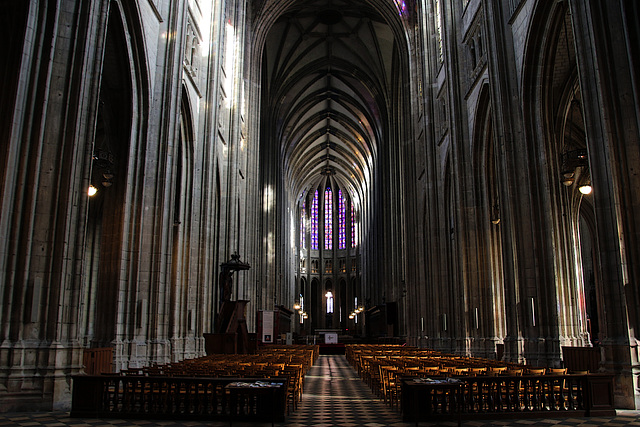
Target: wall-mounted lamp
column 108, row 176
column 585, row 189
column 584, row 183
column 575, row 170
column 571, row 161
column 355, row 313
column 92, row 191
column 104, row 159
column 567, row 178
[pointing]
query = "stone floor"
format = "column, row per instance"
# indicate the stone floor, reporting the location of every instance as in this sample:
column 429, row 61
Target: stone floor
column 333, row 396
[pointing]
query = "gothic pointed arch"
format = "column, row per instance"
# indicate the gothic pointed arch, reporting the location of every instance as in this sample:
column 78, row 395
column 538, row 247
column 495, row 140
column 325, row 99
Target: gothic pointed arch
column 328, row 72
column 182, row 321
column 555, row 132
column 452, row 302
column 14, row 17
column 490, row 293
column 120, row 132
column 110, row 168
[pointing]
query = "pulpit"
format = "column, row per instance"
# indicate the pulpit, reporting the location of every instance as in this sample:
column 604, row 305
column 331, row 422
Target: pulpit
column 231, row 335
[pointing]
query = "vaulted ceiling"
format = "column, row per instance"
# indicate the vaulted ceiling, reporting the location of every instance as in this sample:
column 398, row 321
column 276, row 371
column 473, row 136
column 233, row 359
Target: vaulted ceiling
column 327, row 78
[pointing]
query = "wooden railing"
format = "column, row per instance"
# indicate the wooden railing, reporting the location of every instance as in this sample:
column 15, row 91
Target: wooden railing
column 178, row 398
column 518, row 396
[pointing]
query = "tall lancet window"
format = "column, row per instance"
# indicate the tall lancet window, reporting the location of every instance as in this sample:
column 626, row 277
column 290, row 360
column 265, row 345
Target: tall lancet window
column 314, row 222
column 303, row 217
column 342, row 223
column 328, row 219
column 353, row 228
column 329, row 296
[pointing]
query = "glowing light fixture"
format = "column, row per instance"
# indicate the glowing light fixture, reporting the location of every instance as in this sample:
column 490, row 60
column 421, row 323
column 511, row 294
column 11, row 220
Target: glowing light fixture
column 585, row 189
column 92, row 191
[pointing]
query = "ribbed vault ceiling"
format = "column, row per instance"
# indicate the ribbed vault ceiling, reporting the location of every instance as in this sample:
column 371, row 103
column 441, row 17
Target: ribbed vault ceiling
column 327, row 77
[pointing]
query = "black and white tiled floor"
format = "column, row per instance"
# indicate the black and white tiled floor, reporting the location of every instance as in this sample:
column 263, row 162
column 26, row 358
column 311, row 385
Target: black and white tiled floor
column 333, row 396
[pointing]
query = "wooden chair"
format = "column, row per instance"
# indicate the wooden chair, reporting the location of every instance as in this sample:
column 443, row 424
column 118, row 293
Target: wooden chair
column 294, row 392
column 375, row 379
column 556, row 390
column 532, row 391
column 387, row 382
column 496, row 370
column 476, row 371
column 460, row 371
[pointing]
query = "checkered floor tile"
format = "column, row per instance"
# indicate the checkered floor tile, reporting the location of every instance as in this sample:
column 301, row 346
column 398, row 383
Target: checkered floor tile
column 333, row 396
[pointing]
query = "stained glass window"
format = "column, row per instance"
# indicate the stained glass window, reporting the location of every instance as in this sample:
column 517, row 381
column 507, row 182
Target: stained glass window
column 329, row 296
column 342, row 221
column 353, row 228
column 314, row 222
column 303, row 237
column 328, row 219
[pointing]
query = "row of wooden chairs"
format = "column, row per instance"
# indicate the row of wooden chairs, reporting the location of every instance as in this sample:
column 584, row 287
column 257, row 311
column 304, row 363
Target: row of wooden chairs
column 291, row 362
column 382, row 367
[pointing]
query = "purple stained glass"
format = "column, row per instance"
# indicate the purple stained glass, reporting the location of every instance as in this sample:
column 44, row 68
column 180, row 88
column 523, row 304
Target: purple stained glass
column 314, row 222
column 328, row 219
column 342, row 222
column 353, row 228
column 303, row 237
